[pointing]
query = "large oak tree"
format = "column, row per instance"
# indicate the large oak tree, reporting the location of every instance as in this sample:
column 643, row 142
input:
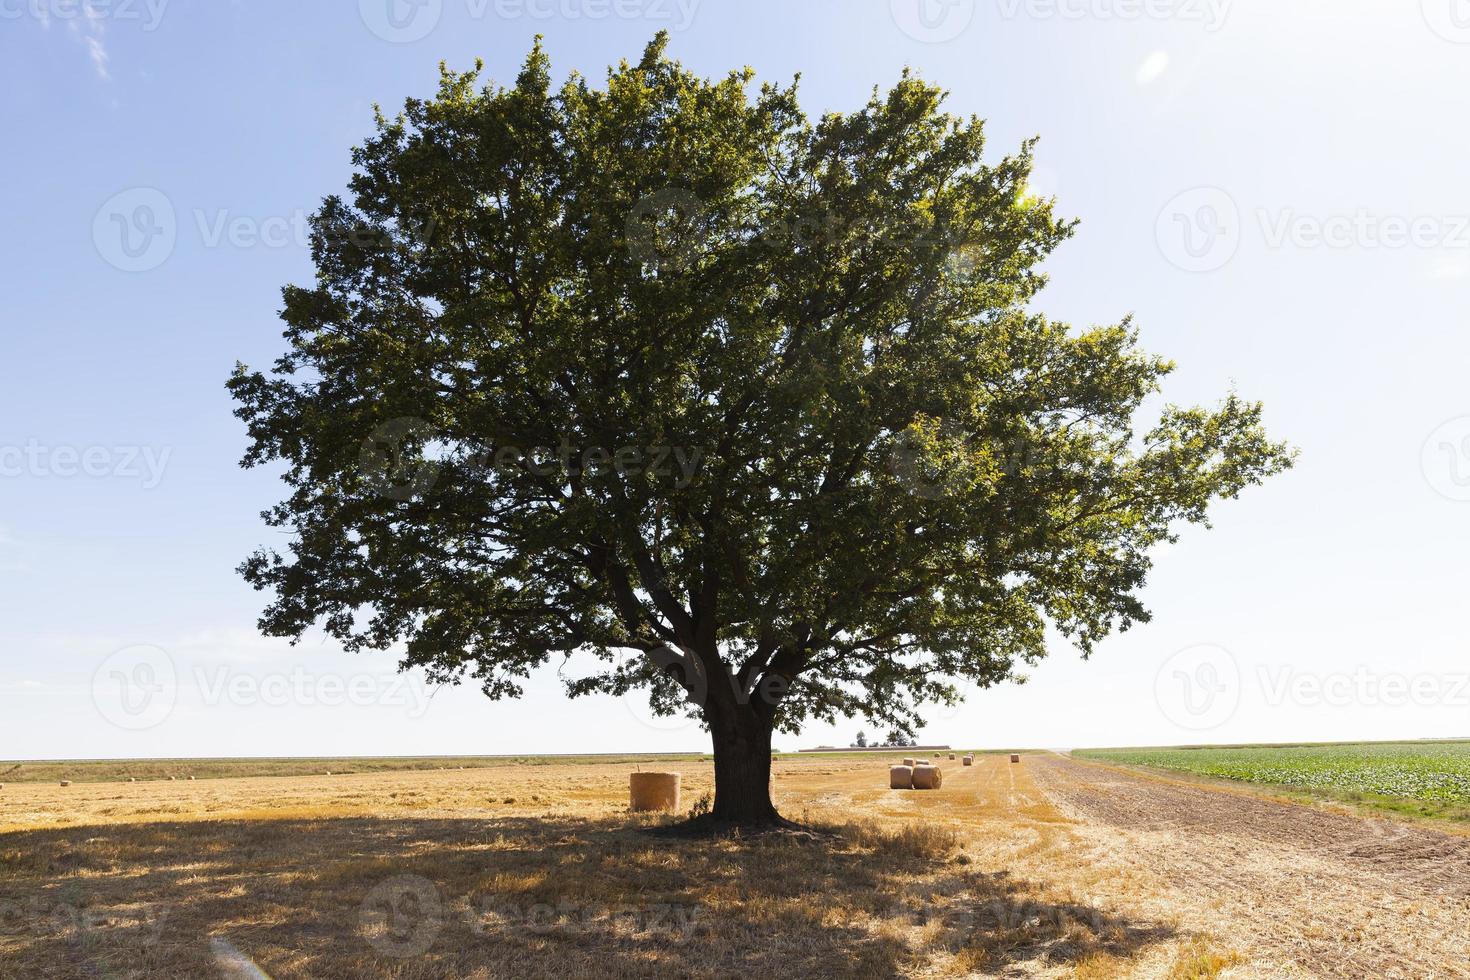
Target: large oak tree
column 706, row 396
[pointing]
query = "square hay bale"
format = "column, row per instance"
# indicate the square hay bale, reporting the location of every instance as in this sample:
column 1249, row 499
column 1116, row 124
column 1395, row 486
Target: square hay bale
column 928, row 777
column 66, row 782
column 900, row 777
column 969, row 760
column 1015, row 757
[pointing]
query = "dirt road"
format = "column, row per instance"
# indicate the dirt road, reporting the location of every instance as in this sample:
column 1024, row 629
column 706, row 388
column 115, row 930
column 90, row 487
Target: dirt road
column 1338, row 894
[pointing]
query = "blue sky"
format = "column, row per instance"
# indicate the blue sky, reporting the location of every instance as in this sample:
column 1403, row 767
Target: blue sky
column 1276, row 190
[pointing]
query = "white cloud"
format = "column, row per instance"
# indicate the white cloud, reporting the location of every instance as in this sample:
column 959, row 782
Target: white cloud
column 89, row 28
column 98, row 54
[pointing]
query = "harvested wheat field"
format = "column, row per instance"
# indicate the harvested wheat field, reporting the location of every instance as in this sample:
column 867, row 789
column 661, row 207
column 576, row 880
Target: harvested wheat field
column 1050, row 868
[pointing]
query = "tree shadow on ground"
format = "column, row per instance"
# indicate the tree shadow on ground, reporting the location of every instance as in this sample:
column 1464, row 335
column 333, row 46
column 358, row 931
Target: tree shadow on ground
column 549, row 896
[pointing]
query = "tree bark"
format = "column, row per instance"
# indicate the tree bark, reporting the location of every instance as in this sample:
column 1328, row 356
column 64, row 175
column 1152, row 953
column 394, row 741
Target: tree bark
column 742, row 744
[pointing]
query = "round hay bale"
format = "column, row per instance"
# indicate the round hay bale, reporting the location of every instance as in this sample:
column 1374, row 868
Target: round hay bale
column 951, row 755
column 66, row 782
column 922, row 762
column 969, row 760
column 928, row 777
column 172, row 778
column 900, row 777
column 132, row 779
column 1015, row 757
column 191, row 779
column 653, row 791
column 909, row 763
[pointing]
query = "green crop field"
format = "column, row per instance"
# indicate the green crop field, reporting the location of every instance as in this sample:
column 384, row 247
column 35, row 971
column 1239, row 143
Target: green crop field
column 1430, row 778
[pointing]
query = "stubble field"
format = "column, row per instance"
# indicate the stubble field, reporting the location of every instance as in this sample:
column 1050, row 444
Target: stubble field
column 1051, row 868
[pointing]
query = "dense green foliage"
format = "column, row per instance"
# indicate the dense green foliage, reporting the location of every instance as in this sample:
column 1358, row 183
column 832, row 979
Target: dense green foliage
column 669, row 366
column 1431, row 772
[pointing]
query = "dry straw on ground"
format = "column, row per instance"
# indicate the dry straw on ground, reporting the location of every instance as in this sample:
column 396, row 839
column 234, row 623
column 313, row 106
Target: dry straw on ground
column 1055, row 870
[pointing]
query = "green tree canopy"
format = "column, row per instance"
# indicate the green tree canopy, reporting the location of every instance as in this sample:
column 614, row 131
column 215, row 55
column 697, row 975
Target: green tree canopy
column 668, row 367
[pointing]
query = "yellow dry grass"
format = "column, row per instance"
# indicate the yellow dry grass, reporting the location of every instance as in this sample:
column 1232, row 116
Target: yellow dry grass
column 540, row 870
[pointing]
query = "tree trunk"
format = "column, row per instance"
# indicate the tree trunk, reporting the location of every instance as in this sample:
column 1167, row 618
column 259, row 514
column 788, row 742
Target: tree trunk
column 742, row 744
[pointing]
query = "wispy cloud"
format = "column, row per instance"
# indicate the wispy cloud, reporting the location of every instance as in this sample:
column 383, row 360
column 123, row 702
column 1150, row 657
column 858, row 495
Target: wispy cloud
column 98, row 54
column 90, row 28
